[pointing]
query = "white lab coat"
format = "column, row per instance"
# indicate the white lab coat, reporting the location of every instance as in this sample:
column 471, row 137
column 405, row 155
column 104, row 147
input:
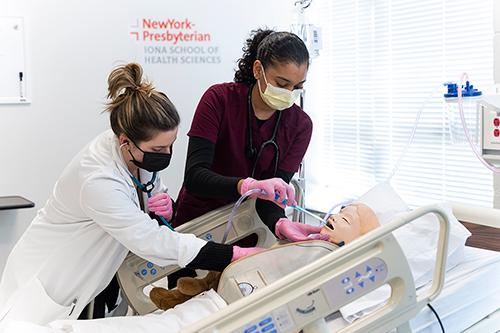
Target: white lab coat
column 77, row 242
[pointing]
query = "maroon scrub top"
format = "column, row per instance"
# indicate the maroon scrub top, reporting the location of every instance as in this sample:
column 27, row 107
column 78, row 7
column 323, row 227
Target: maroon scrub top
column 221, row 117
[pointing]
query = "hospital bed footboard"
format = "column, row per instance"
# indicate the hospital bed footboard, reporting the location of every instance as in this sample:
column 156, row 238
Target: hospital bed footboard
column 302, row 299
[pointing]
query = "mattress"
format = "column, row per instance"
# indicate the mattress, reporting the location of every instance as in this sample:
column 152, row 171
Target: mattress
column 471, row 292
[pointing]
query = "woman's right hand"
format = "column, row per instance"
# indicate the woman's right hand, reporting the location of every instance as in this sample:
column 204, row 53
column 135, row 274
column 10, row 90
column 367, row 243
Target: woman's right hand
column 274, row 189
column 298, row 232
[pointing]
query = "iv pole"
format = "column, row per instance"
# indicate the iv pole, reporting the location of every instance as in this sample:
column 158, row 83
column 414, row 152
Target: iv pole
column 300, row 6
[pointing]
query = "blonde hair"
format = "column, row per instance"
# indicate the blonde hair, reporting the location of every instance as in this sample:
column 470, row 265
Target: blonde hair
column 136, row 108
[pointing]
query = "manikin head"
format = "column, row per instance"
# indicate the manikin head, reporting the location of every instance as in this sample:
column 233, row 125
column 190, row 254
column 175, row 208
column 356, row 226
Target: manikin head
column 350, row 223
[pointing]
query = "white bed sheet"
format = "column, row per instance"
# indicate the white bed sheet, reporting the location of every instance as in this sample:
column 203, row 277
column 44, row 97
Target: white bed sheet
column 171, row 321
column 471, row 292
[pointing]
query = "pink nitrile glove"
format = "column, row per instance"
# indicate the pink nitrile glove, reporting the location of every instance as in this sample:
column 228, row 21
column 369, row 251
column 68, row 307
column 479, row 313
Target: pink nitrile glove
column 298, row 232
column 271, row 187
column 161, row 205
column 241, row 252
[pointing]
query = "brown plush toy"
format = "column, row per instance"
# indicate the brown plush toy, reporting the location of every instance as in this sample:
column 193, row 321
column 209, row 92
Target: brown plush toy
column 187, row 287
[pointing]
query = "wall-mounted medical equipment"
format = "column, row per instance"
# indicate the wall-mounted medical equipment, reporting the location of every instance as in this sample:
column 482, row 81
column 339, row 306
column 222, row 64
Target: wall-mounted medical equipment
column 489, row 111
column 488, row 118
column 464, row 102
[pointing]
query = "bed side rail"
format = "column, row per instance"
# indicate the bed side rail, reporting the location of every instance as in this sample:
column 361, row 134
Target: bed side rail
column 322, row 287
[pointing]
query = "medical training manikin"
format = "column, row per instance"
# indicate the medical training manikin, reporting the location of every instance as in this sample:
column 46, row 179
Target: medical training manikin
column 350, row 223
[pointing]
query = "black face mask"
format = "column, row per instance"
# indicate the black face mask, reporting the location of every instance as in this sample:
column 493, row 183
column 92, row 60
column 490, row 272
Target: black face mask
column 152, row 162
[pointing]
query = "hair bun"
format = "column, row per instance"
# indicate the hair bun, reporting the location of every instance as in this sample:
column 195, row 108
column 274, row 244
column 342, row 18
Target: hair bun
column 136, row 108
column 127, row 79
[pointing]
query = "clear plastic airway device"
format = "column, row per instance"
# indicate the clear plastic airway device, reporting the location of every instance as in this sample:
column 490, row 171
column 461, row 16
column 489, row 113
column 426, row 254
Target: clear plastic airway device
column 303, row 210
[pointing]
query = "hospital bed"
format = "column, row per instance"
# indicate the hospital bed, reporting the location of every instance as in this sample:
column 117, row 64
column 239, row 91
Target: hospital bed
column 481, row 314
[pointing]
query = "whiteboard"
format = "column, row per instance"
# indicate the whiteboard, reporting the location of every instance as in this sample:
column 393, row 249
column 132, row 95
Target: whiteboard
column 13, row 76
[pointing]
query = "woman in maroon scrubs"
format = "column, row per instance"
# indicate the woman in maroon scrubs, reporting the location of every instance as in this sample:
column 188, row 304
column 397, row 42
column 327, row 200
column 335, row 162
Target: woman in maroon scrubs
column 250, row 134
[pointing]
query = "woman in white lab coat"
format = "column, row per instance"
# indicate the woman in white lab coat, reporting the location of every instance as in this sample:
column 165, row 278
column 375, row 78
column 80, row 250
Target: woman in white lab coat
column 97, row 213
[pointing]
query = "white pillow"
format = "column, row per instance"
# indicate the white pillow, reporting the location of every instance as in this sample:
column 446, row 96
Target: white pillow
column 418, row 240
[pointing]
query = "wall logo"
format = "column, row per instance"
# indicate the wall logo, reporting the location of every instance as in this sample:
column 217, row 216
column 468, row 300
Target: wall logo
column 174, row 41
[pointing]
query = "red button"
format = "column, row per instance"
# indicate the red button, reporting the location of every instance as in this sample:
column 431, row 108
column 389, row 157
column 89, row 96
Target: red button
column 496, row 122
column 496, row 132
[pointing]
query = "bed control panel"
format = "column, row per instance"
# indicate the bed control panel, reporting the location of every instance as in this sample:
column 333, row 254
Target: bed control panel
column 319, row 302
column 146, row 271
column 279, row 320
column 361, row 279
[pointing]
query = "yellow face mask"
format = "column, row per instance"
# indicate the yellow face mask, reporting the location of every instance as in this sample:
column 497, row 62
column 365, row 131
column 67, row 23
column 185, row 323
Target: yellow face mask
column 278, row 98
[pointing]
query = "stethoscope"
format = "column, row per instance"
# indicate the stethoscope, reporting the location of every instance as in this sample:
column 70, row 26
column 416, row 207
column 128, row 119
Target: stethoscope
column 252, row 153
column 148, row 188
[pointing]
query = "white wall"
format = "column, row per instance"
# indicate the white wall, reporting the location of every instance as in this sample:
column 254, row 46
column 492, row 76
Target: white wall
column 71, row 48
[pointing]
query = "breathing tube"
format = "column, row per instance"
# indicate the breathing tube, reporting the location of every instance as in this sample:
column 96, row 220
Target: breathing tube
column 339, row 204
column 412, row 135
column 238, row 203
column 435, row 92
column 401, row 156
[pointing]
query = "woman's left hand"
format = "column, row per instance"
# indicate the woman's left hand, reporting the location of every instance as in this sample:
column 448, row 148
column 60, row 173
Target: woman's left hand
column 241, row 252
column 161, row 205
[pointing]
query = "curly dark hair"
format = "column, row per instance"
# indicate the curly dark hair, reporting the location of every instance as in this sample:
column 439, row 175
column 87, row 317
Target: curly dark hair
column 269, row 46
